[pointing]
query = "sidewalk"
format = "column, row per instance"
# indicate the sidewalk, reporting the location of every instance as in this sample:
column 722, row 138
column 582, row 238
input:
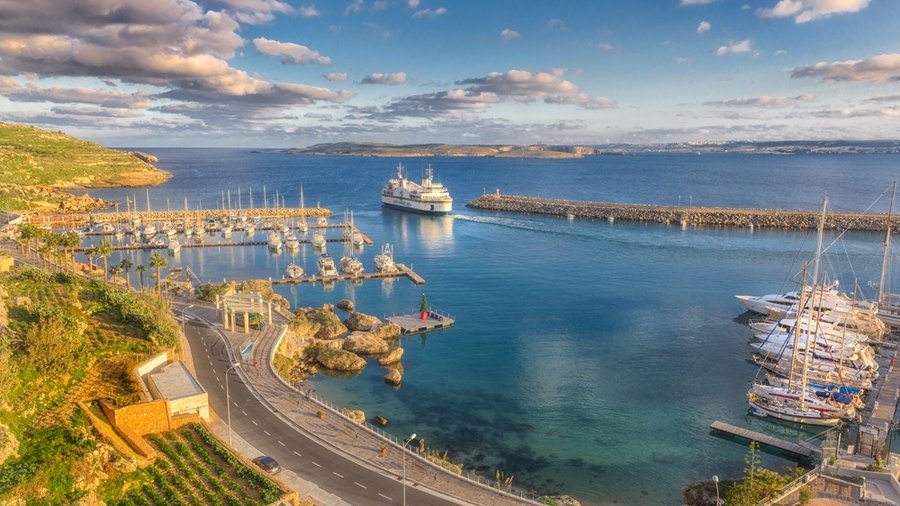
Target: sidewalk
column 355, row 441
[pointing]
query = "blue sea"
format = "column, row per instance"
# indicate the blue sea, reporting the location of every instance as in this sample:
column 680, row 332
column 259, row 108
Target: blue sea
column 588, row 357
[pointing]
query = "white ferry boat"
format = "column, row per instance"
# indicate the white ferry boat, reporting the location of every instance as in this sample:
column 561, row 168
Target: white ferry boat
column 428, row 197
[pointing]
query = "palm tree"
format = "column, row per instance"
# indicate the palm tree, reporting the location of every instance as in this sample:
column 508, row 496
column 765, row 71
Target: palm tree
column 158, row 261
column 114, row 271
column 126, row 265
column 104, row 250
column 69, row 241
column 28, row 234
column 141, row 268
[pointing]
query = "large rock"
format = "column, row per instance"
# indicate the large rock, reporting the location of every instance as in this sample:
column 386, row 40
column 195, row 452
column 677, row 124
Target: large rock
column 365, row 343
column 361, row 321
column 392, row 357
column 334, row 344
column 357, row 415
column 345, row 304
column 318, row 323
column 340, row 360
column 386, row 330
column 393, row 377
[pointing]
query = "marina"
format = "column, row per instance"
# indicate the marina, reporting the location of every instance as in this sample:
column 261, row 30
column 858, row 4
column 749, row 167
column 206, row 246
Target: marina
column 211, row 244
column 402, row 271
column 793, row 450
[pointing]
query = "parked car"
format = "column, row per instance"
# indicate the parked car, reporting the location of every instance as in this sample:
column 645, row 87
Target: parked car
column 267, row 464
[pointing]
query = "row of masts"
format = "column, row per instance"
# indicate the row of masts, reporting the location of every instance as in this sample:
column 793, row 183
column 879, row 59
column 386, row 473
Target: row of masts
column 225, row 202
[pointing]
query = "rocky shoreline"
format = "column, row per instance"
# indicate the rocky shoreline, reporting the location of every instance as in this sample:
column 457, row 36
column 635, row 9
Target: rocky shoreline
column 684, row 216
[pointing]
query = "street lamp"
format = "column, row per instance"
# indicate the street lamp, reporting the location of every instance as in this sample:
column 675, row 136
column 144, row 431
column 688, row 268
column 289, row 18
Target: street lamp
column 716, row 481
column 228, row 400
column 403, row 458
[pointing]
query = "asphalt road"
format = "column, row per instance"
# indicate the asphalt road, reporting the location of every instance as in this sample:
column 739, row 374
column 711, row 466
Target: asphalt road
column 261, row 428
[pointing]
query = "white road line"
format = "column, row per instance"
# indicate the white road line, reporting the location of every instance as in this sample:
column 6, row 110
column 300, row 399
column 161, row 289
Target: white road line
column 267, row 432
column 235, row 404
column 386, row 497
column 244, row 412
column 279, row 442
column 297, row 454
column 336, row 474
column 360, row 485
column 254, row 423
column 316, row 463
column 220, row 386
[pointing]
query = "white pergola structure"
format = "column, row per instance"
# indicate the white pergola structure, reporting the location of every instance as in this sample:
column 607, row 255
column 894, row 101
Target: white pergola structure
column 243, row 303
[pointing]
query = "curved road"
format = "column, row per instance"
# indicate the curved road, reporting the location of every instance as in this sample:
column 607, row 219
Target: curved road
column 252, row 421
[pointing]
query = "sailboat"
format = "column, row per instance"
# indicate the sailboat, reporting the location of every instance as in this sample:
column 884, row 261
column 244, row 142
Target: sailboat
column 318, row 240
column 385, row 261
column 302, row 227
column 356, row 237
column 349, row 263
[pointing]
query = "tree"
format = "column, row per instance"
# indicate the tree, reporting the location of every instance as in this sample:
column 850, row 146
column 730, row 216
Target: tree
column 158, row 261
column 68, row 242
column 758, row 482
column 114, row 271
column 141, row 268
column 126, row 265
column 104, row 250
column 29, row 233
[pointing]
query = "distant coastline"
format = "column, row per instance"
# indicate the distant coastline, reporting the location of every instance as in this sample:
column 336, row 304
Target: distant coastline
column 418, row 150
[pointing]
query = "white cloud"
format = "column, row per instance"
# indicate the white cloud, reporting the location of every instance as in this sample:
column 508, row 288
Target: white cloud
column 763, row 101
column 804, row 11
column 385, row 78
column 308, row 11
column 413, row 3
column 704, row 26
column 509, row 34
column 11, row 89
column 430, row 13
column 879, row 69
column 780, row 52
column 581, row 99
column 681, row 59
column 696, row 2
column 335, row 76
column 606, row 47
column 741, row 46
column 255, row 12
column 556, row 23
column 289, row 52
column 354, row 7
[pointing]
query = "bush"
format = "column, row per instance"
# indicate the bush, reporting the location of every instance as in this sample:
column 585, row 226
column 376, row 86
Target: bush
column 147, row 311
column 52, row 344
column 208, row 292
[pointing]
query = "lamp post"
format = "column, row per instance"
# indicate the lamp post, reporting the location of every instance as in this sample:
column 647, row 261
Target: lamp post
column 403, row 458
column 716, row 481
column 228, row 399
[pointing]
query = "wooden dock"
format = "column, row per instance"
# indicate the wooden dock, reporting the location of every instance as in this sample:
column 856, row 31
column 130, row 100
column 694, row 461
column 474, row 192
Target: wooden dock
column 875, row 428
column 794, row 450
column 414, row 324
column 402, row 271
column 127, row 247
column 175, row 215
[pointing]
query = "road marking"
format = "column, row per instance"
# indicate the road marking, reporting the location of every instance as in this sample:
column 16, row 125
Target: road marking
column 244, row 412
column 316, row 464
column 297, row 454
column 267, row 432
column 360, row 485
column 386, row 497
column 336, row 474
column 279, row 442
column 220, row 386
column 235, row 404
column 254, row 423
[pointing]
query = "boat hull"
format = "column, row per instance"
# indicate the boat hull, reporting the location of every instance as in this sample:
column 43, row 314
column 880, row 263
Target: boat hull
column 434, row 209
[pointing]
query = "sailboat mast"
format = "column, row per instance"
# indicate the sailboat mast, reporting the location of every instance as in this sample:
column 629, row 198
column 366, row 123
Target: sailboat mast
column 797, row 330
column 887, row 248
column 820, row 232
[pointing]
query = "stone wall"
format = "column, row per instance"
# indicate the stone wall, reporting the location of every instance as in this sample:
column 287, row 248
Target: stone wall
column 673, row 215
column 134, row 422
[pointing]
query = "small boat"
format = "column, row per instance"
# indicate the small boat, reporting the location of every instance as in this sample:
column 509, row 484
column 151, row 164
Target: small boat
column 281, row 227
column 211, row 225
column 274, row 241
column 106, row 228
column 322, row 221
column 250, row 229
column 149, row 231
column 302, row 226
column 291, row 242
column 385, row 261
column 294, row 271
column 174, row 246
column 227, row 229
column 120, row 234
column 793, row 406
column 352, row 266
column 318, row 240
column 326, row 266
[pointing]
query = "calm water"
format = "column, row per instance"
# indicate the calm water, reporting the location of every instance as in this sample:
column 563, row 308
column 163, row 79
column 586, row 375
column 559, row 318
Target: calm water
column 588, row 357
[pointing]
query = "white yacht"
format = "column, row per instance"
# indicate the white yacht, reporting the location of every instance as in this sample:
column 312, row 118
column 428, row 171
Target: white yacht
column 795, row 406
column 274, row 241
column 385, row 261
column 351, row 265
column 294, row 271
column 174, row 246
column 318, row 240
column 326, row 266
column 428, row 197
column 291, row 242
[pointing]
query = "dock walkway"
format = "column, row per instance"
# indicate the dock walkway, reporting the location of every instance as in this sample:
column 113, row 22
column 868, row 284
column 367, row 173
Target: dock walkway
column 414, row 324
column 793, row 449
column 876, row 424
column 401, row 271
column 126, row 247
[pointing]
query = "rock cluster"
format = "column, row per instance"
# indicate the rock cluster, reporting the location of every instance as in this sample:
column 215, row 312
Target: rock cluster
column 340, row 360
column 319, row 323
column 361, row 321
column 672, row 215
column 365, row 343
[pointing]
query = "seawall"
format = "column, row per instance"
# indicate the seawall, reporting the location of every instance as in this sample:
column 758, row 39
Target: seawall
column 674, row 215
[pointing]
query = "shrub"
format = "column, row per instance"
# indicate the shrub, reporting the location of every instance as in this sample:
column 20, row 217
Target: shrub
column 148, row 312
column 52, row 344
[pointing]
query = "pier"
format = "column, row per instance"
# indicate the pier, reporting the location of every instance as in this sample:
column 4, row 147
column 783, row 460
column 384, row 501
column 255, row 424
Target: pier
column 873, row 437
column 794, row 450
column 682, row 216
column 67, row 220
column 414, row 324
column 402, row 271
column 126, row 247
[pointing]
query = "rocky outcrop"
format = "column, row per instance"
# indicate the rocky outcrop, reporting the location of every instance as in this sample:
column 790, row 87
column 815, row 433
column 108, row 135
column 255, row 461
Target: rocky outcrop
column 317, row 323
column 361, row 321
column 386, row 330
column 391, row 357
column 340, row 360
column 345, row 304
column 380, row 420
column 676, row 215
column 365, row 343
column 560, row 500
column 334, row 344
column 145, row 157
column 357, row 415
column 393, row 377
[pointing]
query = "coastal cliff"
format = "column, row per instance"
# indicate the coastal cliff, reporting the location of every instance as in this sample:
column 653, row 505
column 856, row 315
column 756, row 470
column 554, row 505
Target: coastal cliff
column 37, row 166
column 674, row 215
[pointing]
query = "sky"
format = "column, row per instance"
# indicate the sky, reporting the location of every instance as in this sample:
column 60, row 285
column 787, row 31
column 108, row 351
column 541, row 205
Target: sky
column 283, row 73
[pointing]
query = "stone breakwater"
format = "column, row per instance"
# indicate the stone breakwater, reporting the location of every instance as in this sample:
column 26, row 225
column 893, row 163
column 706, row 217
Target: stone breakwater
column 194, row 215
column 672, row 215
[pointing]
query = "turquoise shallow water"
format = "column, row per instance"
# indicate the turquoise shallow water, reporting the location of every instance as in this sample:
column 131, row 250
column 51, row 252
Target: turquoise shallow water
column 588, row 357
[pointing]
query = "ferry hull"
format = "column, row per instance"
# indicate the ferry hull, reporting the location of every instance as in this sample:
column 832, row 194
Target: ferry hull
column 440, row 209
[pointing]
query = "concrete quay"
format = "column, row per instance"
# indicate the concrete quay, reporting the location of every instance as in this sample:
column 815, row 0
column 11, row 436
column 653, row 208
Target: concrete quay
column 683, row 216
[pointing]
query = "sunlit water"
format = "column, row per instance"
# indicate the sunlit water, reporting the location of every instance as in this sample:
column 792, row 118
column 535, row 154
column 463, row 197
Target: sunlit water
column 588, row 357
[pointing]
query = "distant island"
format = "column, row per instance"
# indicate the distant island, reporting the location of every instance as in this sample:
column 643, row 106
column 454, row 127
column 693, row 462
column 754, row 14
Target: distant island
column 558, row 151
column 37, row 165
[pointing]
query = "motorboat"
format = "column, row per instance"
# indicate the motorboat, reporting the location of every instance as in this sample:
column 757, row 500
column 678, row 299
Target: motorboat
column 326, row 266
column 384, row 262
column 274, row 241
column 291, row 242
column 174, row 246
column 294, row 271
column 318, row 240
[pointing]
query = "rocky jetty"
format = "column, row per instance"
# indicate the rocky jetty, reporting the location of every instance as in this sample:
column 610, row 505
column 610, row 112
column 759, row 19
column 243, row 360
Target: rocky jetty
column 361, row 321
column 340, row 360
column 365, row 343
column 391, row 357
column 674, row 215
column 320, row 323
